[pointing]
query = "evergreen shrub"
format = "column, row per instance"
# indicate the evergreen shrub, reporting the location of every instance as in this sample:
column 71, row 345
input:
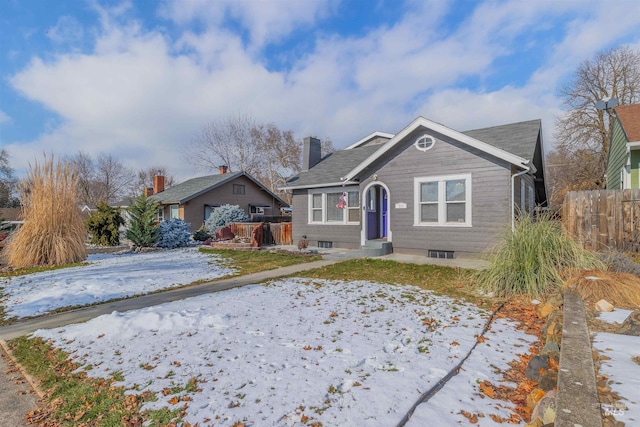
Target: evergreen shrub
column 174, row 233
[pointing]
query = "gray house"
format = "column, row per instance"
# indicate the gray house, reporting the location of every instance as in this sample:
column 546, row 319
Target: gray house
column 426, row 190
column 195, row 199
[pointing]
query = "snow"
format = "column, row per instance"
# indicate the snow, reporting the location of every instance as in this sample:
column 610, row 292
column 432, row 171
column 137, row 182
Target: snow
column 487, row 362
column 618, row 315
column 108, row 277
column 337, row 352
column 623, row 373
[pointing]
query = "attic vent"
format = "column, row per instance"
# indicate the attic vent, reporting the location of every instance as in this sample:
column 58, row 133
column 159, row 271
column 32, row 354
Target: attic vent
column 425, row 142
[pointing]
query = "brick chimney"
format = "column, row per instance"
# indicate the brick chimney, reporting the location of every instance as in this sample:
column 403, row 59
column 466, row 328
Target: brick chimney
column 148, row 192
column 223, row 169
column 311, row 153
column 158, row 184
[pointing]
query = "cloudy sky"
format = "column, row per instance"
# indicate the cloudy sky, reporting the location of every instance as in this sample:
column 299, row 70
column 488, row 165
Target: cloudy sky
column 139, row 79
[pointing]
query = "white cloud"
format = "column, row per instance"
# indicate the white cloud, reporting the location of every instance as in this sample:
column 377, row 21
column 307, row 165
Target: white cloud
column 66, row 30
column 143, row 96
column 4, row 117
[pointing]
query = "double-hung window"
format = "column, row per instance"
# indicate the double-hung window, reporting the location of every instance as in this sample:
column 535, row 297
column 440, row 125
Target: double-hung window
column 174, row 211
column 328, row 206
column 443, row 201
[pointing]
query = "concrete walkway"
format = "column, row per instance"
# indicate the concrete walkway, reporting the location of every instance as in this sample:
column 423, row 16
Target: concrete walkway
column 29, row 326
column 17, row 398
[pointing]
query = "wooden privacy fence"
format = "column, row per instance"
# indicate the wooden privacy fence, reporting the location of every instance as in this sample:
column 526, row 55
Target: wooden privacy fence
column 272, row 233
column 604, row 219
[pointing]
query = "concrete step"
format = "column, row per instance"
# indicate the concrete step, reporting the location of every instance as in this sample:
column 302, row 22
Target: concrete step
column 375, row 248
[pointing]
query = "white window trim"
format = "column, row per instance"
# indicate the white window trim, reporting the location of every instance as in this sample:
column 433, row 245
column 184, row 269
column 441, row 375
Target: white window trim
column 175, row 208
column 442, row 213
column 324, row 191
column 160, row 214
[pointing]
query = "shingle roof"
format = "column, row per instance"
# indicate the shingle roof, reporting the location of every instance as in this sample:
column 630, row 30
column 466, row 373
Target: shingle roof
column 516, row 138
column 191, row 188
column 629, row 116
column 333, row 166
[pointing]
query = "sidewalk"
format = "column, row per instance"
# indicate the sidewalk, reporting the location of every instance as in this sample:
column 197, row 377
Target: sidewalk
column 17, row 398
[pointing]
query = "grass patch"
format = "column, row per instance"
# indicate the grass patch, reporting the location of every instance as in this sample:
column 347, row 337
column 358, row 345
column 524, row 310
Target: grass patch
column 636, row 360
column 247, row 262
column 448, row 281
column 533, row 260
column 39, row 269
column 74, row 399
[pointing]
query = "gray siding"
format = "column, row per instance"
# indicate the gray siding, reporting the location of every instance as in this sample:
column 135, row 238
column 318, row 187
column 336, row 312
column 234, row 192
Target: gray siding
column 342, row 236
column 490, row 184
column 192, row 211
column 491, row 202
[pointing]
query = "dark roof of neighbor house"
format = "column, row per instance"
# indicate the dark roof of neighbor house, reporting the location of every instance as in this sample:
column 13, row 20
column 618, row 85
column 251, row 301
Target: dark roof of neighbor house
column 192, row 188
column 519, row 139
column 629, row 116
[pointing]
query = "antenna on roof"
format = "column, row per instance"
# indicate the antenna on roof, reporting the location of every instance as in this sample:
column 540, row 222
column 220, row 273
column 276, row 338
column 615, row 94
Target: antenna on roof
column 610, row 104
column 284, row 172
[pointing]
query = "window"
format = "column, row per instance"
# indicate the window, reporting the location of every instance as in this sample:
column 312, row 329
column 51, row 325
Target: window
column 160, row 214
column 443, row 201
column 238, row 189
column 174, row 212
column 425, row 142
column 208, row 210
column 256, row 209
column 323, row 207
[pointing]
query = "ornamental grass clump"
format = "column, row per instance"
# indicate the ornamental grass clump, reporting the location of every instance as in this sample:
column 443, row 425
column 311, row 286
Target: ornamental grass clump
column 533, row 260
column 54, row 231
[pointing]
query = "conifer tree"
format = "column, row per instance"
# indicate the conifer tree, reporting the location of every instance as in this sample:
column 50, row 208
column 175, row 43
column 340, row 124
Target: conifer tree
column 104, row 225
column 143, row 228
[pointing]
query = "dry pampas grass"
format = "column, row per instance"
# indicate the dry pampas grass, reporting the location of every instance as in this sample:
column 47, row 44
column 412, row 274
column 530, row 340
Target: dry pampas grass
column 620, row 289
column 53, row 232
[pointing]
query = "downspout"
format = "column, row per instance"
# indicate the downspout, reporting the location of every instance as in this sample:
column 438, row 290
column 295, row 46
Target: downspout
column 513, row 205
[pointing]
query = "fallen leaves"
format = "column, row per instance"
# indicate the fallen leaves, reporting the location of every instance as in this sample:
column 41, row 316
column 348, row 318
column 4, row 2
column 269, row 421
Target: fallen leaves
column 487, row 388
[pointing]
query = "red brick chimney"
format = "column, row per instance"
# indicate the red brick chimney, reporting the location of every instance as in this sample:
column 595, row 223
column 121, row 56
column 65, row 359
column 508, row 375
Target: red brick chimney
column 223, row 169
column 148, row 192
column 158, row 184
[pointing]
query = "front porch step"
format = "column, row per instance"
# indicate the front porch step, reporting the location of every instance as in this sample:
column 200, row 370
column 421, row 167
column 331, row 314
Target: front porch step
column 375, row 248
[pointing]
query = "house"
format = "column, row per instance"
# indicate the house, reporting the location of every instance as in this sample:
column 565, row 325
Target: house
column 427, row 190
column 624, row 152
column 194, row 200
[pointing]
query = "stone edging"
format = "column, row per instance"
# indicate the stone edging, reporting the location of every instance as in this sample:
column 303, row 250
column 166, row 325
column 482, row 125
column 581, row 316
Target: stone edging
column 577, row 400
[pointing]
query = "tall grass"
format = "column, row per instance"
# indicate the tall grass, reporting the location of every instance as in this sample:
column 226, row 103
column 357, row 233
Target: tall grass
column 533, row 259
column 53, row 232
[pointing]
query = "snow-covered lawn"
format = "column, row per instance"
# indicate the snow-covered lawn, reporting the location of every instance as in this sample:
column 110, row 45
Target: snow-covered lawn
column 298, row 351
column 621, row 369
column 107, row 277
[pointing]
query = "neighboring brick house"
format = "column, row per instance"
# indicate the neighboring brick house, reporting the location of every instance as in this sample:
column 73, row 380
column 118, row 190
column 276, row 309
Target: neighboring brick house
column 194, row 200
column 427, row 190
column 623, row 166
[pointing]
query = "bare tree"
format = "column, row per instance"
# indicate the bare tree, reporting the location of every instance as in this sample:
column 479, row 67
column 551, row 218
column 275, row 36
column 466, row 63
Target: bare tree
column 228, row 142
column 568, row 171
column 113, row 178
column 85, row 169
column 144, row 179
column 105, row 179
column 7, row 182
column 242, row 144
column 613, row 73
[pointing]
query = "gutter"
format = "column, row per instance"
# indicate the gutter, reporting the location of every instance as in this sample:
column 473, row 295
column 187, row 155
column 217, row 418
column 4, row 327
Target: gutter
column 526, row 170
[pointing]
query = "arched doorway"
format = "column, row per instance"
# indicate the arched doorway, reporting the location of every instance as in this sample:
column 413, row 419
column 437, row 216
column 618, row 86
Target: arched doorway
column 376, row 218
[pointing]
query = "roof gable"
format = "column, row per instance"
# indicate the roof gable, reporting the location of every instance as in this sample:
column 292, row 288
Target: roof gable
column 629, row 117
column 437, row 127
column 192, row 188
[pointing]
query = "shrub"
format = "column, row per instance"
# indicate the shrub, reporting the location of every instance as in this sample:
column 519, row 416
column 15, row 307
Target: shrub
column 104, row 225
column 533, row 259
column 143, row 229
column 225, row 215
column 54, row 231
column 201, row 234
column 620, row 262
column 174, row 233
